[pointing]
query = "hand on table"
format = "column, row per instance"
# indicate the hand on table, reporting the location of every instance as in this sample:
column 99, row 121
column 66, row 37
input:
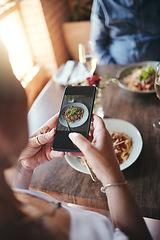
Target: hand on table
column 38, row 150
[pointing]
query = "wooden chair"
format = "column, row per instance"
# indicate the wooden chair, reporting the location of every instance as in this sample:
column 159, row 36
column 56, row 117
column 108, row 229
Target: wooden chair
column 75, row 33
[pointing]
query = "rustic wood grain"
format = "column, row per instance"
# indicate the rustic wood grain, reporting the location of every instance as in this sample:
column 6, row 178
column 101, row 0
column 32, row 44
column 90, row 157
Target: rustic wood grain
column 68, row 185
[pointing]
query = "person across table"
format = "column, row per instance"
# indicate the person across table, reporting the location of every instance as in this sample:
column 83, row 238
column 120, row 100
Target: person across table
column 125, row 31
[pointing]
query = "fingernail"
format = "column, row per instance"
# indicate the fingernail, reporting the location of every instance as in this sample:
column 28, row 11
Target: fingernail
column 73, row 135
column 51, row 132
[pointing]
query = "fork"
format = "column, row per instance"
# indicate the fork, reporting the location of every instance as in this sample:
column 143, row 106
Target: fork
column 69, row 128
column 92, row 174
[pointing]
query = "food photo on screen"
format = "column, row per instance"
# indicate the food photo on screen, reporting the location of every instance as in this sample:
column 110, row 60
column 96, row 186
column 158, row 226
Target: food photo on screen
column 74, row 114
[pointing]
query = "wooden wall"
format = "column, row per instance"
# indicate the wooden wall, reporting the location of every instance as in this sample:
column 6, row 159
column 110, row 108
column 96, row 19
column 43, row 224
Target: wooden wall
column 56, row 12
column 37, row 34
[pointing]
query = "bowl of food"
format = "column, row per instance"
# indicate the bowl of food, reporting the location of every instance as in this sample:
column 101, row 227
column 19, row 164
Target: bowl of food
column 138, row 78
column 127, row 143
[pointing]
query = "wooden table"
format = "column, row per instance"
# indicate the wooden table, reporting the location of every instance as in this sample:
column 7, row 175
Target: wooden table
column 66, row 184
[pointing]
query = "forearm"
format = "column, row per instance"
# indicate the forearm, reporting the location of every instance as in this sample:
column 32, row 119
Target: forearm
column 19, row 176
column 99, row 35
column 99, row 38
column 103, row 54
column 124, row 211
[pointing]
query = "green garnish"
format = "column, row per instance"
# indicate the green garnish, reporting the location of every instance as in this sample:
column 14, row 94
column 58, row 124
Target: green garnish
column 145, row 72
column 73, row 111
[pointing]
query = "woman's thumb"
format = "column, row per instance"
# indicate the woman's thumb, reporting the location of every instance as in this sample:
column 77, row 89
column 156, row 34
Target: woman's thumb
column 81, row 142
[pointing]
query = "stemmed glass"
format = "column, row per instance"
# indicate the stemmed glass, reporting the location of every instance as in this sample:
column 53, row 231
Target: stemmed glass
column 156, row 123
column 87, row 56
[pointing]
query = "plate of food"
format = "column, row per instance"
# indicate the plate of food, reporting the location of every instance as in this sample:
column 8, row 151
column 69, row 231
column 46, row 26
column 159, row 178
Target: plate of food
column 130, row 140
column 138, row 78
column 76, row 114
column 127, row 142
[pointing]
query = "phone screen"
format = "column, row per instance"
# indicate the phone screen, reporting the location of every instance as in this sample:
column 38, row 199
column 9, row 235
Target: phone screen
column 75, row 116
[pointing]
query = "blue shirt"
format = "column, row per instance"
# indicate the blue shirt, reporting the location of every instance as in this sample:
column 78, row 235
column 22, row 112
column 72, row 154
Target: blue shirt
column 126, row 31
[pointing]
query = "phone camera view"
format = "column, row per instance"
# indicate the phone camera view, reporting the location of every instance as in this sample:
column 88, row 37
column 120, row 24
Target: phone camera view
column 74, row 114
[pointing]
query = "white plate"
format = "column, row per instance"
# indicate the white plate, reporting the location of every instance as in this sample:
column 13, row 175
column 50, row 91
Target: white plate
column 76, row 123
column 116, row 125
column 75, row 163
column 126, row 70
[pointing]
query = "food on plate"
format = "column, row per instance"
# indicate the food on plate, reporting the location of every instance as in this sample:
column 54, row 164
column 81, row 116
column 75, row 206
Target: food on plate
column 122, row 144
column 141, row 78
column 73, row 114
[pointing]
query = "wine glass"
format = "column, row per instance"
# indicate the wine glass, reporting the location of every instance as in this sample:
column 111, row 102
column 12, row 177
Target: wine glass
column 87, row 56
column 156, row 123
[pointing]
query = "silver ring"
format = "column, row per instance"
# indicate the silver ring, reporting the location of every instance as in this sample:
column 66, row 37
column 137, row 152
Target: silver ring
column 38, row 141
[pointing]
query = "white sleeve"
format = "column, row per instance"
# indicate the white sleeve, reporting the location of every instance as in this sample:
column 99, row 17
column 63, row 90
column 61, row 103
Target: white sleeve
column 86, row 225
column 118, row 235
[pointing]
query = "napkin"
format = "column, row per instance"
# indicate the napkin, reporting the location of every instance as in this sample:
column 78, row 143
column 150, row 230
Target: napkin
column 71, row 72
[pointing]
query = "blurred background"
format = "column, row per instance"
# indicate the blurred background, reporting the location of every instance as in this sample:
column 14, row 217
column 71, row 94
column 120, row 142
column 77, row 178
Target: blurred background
column 41, row 35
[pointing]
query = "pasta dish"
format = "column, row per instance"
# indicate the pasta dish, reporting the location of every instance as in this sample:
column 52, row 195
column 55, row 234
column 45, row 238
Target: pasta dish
column 141, row 78
column 122, row 144
column 73, row 114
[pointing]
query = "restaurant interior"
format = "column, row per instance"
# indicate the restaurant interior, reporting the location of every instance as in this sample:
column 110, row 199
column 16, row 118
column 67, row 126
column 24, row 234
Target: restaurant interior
column 37, row 39
column 41, row 36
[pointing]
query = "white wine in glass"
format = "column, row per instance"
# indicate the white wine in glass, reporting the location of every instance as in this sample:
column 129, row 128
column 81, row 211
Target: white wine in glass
column 87, row 56
column 156, row 123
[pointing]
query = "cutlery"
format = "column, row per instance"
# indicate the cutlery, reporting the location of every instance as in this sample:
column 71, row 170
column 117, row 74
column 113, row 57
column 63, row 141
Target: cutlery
column 92, row 174
column 69, row 128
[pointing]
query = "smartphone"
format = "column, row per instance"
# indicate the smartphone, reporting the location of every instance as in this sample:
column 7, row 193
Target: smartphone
column 75, row 116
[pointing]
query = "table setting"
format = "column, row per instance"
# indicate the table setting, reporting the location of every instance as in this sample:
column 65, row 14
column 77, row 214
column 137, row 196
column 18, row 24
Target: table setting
column 82, row 74
column 124, row 110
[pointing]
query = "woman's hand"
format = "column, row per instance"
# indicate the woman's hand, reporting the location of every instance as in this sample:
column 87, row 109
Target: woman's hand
column 38, row 150
column 100, row 155
column 99, row 151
